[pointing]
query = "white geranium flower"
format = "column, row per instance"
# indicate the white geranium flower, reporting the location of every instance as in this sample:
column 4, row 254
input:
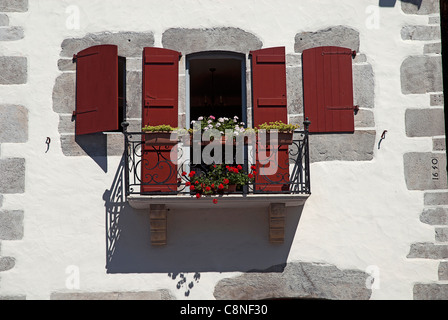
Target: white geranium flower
column 201, row 118
column 235, row 117
column 221, row 119
column 210, row 126
column 209, row 121
column 218, row 125
column 193, row 122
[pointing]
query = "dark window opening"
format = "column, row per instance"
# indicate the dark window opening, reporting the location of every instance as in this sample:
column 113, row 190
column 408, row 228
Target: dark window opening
column 121, row 92
column 216, row 88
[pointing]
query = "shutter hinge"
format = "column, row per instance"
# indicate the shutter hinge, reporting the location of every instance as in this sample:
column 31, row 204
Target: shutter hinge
column 354, row 108
column 352, row 53
column 74, row 114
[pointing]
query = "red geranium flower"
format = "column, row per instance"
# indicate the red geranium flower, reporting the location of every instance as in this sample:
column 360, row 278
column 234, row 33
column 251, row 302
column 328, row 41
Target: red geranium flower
column 187, row 183
column 254, row 172
column 208, row 188
column 198, row 195
column 226, row 181
column 213, row 185
column 250, row 175
column 220, row 186
column 191, row 187
column 184, row 173
column 192, row 173
column 215, row 201
column 240, row 167
column 253, row 167
column 196, row 182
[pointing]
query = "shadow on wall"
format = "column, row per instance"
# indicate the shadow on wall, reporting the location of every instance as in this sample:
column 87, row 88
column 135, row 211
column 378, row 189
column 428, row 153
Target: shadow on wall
column 391, row 3
column 216, row 240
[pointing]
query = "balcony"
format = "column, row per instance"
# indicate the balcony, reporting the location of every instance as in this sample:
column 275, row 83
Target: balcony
column 154, row 177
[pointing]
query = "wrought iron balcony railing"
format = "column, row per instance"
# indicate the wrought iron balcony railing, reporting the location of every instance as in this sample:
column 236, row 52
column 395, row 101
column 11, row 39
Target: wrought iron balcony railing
column 160, row 169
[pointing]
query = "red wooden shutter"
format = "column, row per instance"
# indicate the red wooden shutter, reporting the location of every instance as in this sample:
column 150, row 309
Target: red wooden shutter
column 97, row 89
column 160, row 106
column 270, row 104
column 328, row 89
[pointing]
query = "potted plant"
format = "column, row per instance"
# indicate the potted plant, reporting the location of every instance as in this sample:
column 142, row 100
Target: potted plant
column 219, row 179
column 284, row 132
column 160, row 135
column 227, row 128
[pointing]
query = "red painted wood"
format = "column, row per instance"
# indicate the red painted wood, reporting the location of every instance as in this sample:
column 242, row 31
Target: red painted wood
column 270, row 104
column 160, row 106
column 328, row 89
column 97, row 89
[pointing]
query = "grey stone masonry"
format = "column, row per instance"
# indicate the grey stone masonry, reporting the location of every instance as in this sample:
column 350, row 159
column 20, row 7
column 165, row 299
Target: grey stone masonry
column 425, row 122
column 11, row 224
column 436, row 198
column 7, row 263
column 350, row 147
column 64, row 93
column 11, row 33
column 435, row 48
column 296, row 280
column 425, row 170
column 420, row 7
column 421, row 74
column 436, row 99
column 442, row 234
column 13, row 5
column 435, row 216
column 428, row 250
column 130, row 44
column 439, row 144
column 430, row 291
column 194, row 40
column 443, row 270
column 363, row 85
column 12, row 171
column 14, row 70
column 13, row 124
column 422, row 33
column 4, row 20
column 340, row 36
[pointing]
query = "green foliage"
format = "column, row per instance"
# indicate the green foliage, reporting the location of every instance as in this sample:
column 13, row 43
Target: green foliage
column 158, row 128
column 277, row 125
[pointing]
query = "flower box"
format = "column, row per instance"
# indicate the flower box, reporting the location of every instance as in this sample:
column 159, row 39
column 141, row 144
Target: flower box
column 283, row 138
column 161, row 138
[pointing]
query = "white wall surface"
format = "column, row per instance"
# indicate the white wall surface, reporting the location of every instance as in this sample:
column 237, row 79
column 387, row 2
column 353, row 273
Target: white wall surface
column 359, row 214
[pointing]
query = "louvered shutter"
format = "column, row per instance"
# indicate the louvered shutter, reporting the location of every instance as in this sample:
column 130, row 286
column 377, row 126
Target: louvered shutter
column 270, row 104
column 328, row 89
column 160, row 106
column 96, row 89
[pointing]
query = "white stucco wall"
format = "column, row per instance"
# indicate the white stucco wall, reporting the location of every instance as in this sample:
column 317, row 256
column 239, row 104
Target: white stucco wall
column 360, row 214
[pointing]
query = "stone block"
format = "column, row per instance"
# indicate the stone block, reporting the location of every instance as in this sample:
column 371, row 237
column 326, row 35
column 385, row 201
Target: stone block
column 11, row 224
column 66, row 65
column 425, row 122
column 430, row 291
column 134, row 64
column 11, row 33
column 14, row 70
column 364, row 118
column 4, row 20
column 13, row 5
column 421, row 33
column 134, row 94
column 421, row 74
column 435, row 216
column 363, row 85
column 438, row 144
column 436, row 198
column 12, row 171
column 130, row 44
column 7, row 263
column 357, row 146
column 66, row 124
column 340, row 36
column 436, row 99
column 428, row 250
column 435, row 48
column 296, row 280
column 425, row 170
column 442, row 234
column 6, row 298
column 420, row 7
column 434, row 20
column 294, row 90
column 194, row 40
column 443, row 270
column 64, row 93
column 13, row 124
